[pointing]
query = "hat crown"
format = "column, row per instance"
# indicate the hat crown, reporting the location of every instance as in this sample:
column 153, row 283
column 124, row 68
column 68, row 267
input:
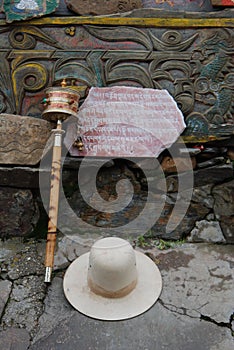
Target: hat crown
column 112, row 267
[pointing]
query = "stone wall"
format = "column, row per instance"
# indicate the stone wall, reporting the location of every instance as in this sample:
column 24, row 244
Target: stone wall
column 209, row 216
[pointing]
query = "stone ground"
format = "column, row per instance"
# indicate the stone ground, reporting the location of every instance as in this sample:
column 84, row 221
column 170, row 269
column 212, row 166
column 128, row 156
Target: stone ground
column 194, row 312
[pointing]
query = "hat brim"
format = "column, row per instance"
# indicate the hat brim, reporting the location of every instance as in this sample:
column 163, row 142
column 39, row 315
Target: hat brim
column 142, row 297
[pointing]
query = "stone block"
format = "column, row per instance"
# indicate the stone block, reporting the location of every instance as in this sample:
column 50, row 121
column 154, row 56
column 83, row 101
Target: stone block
column 14, row 339
column 18, row 212
column 5, row 288
column 23, row 139
column 207, row 231
column 102, row 7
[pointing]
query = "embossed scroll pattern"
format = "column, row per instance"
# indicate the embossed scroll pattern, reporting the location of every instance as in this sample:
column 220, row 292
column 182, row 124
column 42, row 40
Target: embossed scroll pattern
column 194, row 65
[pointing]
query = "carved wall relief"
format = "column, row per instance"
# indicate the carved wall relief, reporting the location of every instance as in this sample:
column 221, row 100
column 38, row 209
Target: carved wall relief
column 194, row 65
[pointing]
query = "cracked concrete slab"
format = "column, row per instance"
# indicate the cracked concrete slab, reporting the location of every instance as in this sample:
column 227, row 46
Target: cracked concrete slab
column 198, row 280
column 14, row 339
column 193, row 312
column 158, row 329
column 5, row 288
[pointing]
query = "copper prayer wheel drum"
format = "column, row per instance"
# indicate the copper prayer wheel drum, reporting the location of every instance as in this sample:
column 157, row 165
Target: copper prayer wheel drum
column 60, row 103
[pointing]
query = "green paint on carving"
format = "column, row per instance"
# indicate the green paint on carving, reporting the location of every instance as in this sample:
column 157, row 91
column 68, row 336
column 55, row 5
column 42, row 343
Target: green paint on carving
column 25, row 9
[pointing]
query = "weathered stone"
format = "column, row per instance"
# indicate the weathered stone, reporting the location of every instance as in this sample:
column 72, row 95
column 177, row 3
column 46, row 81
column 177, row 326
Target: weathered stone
column 19, row 212
column 227, row 225
column 57, row 310
column 212, row 175
column 177, row 164
column 195, row 212
column 25, row 262
column 206, row 231
column 14, row 339
column 223, row 195
column 203, row 195
column 5, row 288
column 102, row 7
column 23, row 139
column 158, row 327
column 69, row 249
column 202, row 278
column 224, row 208
column 26, row 303
column 20, row 177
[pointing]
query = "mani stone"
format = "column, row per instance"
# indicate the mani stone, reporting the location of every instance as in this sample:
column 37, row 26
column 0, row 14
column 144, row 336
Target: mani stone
column 102, row 7
column 124, row 121
column 23, row 139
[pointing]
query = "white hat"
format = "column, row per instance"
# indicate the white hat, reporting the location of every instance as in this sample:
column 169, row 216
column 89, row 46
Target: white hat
column 112, row 282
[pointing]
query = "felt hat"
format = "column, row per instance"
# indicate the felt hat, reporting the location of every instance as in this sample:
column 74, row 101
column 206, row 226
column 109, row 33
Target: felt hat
column 112, row 281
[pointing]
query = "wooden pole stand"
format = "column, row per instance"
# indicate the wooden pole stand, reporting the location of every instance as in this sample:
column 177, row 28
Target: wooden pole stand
column 54, row 198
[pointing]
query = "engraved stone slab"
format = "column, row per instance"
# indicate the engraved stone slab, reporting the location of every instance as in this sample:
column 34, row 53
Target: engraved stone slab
column 23, row 139
column 102, row 7
column 125, row 121
column 18, row 10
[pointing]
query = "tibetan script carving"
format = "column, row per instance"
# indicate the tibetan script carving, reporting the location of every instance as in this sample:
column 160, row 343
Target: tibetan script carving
column 127, row 122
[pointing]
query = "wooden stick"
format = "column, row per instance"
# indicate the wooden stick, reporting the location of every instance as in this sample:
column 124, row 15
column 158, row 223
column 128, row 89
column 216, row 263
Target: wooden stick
column 54, row 198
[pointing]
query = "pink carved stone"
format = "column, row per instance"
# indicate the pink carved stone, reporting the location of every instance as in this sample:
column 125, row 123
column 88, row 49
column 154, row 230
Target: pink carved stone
column 126, row 122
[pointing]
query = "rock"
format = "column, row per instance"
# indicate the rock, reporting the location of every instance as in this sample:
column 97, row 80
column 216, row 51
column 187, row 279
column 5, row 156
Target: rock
column 223, row 195
column 25, row 262
column 56, row 310
column 14, row 339
column 5, row 288
column 23, row 139
column 203, row 195
column 19, row 212
column 206, row 231
column 102, row 7
column 212, row 175
column 224, row 208
column 26, row 303
column 227, row 226
column 20, row 177
column 177, row 164
column 185, row 218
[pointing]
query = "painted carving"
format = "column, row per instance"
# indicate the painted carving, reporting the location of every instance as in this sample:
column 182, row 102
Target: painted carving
column 102, row 7
column 18, row 10
column 194, row 65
